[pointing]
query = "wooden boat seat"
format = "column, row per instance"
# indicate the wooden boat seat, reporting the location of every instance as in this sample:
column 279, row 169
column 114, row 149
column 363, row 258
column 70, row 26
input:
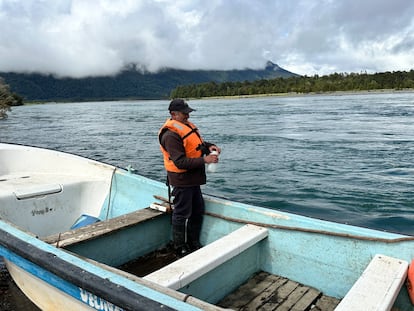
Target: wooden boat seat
column 189, row 268
column 101, row 228
column 378, row 286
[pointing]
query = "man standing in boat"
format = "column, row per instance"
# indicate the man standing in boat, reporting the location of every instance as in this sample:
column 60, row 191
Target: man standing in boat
column 185, row 156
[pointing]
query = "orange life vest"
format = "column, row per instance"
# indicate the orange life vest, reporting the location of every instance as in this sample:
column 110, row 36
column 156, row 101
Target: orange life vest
column 410, row 281
column 191, row 141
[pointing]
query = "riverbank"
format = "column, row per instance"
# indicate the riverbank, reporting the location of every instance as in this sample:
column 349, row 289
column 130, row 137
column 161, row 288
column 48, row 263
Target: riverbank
column 294, row 94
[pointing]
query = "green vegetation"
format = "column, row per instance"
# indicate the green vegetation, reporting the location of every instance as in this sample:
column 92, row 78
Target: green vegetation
column 7, row 99
column 300, row 84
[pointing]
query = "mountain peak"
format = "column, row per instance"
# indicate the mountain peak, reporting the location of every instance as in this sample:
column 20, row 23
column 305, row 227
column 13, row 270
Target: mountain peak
column 271, row 66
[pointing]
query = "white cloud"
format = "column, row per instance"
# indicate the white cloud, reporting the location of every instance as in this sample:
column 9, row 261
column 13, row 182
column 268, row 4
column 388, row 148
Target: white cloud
column 99, row 37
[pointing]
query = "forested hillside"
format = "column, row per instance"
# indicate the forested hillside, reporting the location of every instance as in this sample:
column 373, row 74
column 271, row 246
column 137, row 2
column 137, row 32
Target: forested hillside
column 129, row 84
column 301, row 84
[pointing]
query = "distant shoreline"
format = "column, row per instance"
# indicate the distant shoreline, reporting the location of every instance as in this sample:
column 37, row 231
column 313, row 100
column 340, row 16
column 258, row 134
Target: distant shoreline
column 292, row 94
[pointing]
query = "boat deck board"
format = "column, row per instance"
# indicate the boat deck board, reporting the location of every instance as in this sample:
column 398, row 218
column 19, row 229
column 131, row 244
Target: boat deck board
column 265, row 291
column 101, row 228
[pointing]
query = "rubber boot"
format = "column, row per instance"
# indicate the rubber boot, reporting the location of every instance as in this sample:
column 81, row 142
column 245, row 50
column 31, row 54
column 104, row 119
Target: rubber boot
column 179, row 239
column 194, row 230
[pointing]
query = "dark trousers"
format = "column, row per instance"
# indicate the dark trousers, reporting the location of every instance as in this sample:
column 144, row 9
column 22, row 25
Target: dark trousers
column 188, row 205
column 187, row 219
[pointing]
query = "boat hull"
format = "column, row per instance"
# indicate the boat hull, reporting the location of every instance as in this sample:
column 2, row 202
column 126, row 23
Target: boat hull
column 38, row 267
column 48, row 297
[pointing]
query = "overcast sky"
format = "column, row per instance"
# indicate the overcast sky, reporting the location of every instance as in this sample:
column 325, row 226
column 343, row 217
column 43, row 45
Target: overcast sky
column 99, row 37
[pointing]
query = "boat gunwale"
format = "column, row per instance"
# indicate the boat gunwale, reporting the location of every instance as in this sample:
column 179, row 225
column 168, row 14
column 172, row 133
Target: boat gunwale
column 403, row 238
column 297, row 222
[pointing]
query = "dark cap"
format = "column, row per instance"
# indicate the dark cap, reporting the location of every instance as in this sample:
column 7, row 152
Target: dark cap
column 180, row 105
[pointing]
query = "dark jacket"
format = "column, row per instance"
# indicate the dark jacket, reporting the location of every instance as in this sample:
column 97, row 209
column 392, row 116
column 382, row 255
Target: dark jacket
column 195, row 174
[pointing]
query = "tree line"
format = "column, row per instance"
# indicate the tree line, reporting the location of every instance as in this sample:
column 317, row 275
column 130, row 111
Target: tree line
column 397, row 80
column 7, row 99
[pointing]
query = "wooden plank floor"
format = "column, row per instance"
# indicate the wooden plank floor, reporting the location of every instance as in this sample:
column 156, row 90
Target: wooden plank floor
column 264, row 291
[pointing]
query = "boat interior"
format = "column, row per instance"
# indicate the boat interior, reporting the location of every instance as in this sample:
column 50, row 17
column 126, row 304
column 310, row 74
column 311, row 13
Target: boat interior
column 117, row 220
column 229, row 272
column 136, row 243
column 226, row 272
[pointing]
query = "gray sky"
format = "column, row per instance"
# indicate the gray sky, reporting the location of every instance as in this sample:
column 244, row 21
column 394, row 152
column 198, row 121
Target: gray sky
column 80, row 38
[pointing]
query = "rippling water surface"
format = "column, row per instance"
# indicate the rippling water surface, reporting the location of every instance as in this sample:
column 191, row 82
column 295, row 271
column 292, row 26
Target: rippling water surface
column 347, row 158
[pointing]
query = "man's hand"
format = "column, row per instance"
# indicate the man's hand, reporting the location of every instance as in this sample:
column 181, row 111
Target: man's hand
column 211, row 158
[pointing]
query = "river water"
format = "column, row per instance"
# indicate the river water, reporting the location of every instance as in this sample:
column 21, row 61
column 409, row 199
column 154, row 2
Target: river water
column 342, row 157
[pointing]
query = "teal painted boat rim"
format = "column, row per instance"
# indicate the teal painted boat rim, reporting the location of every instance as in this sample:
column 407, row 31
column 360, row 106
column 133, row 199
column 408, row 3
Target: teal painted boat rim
column 294, row 222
